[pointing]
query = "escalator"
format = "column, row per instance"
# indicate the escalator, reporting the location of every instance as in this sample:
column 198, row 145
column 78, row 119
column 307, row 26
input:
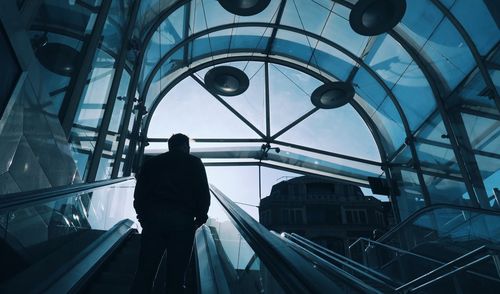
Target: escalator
column 79, row 239
column 439, row 249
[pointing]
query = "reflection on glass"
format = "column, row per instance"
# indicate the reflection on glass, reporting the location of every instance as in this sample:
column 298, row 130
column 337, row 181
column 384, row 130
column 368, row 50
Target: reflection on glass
column 247, row 273
column 34, row 232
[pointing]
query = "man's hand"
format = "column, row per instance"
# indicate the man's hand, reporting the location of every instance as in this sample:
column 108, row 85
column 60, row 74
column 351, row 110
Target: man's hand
column 200, row 221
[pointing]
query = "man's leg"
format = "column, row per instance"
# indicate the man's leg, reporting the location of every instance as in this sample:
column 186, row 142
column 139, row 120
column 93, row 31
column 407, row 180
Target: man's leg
column 179, row 247
column 152, row 248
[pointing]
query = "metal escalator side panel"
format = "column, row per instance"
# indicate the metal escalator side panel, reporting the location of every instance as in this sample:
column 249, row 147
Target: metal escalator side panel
column 294, row 273
column 211, row 277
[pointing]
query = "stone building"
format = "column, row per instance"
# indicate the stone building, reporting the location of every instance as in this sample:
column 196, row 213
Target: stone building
column 331, row 213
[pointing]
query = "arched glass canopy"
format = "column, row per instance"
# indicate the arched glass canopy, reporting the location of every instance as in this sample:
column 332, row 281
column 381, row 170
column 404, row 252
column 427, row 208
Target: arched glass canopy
column 425, row 114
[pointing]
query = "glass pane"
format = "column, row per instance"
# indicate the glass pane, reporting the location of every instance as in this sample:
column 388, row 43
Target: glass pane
column 332, row 130
column 447, row 191
column 180, row 112
column 251, row 103
column 410, row 197
column 490, row 172
column 33, row 233
column 479, row 24
column 446, row 52
column 241, row 258
column 289, row 91
column 484, row 133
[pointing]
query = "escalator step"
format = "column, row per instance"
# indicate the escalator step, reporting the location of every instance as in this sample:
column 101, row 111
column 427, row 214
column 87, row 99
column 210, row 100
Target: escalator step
column 108, row 288
column 115, row 278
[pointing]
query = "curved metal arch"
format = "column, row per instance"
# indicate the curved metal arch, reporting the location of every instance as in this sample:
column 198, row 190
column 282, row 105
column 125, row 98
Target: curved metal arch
column 473, row 49
column 73, row 35
column 348, row 53
column 319, row 38
column 391, row 95
column 432, row 76
column 370, row 124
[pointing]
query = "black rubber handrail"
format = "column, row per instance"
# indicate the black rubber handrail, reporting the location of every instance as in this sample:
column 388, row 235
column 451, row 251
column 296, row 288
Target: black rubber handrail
column 292, row 271
column 22, row 199
column 429, row 208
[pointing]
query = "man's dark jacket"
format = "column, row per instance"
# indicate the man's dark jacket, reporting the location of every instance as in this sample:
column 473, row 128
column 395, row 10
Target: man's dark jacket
column 172, row 183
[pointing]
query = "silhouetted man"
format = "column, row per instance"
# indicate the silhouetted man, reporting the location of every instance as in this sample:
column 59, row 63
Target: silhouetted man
column 171, row 200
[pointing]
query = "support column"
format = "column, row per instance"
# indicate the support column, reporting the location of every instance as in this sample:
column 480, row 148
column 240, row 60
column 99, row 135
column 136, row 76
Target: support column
column 108, row 112
column 73, row 96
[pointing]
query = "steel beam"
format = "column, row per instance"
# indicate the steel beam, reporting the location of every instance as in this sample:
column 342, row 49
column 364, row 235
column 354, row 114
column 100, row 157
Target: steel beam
column 77, row 85
column 115, row 85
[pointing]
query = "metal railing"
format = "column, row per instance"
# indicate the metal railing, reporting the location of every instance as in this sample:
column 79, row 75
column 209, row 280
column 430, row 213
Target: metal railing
column 28, row 198
column 294, row 272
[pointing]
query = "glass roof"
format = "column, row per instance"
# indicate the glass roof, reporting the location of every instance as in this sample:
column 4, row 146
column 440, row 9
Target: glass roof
column 406, row 81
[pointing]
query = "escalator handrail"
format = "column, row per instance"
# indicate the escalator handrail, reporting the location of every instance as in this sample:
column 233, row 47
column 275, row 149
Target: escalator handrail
column 348, row 263
column 74, row 272
column 479, row 250
column 429, row 208
column 21, row 199
column 334, row 269
column 211, row 277
column 294, row 273
column 398, row 250
column 456, row 270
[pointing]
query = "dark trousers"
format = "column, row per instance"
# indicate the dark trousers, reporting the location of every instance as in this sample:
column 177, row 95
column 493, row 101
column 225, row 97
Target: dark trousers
column 154, row 242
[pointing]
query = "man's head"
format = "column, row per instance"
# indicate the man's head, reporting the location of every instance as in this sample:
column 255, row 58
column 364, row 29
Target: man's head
column 179, row 142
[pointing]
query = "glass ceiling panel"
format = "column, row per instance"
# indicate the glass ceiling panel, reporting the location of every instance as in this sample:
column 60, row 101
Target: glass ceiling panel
column 251, row 103
column 290, row 91
column 339, row 30
column 414, row 95
column 447, row 191
column 325, row 58
column 332, row 61
column 168, row 34
column 478, row 23
column 484, row 133
column 420, row 20
column 448, row 53
column 438, row 159
column 434, row 130
column 160, row 80
column 307, row 15
column 388, row 121
column 490, row 172
column 410, row 198
column 474, row 92
column 188, row 108
column 388, row 59
column 339, row 130
column 203, row 10
column 148, row 11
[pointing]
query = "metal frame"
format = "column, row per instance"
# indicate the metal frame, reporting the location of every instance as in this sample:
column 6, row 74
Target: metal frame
column 269, row 59
column 115, row 84
column 473, row 49
column 432, row 76
column 359, row 61
column 74, row 94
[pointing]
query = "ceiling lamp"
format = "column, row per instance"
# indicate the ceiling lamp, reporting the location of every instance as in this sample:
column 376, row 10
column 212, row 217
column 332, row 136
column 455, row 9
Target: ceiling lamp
column 374, row 17
column 332, row 95
column 226, row 81
column 58, row 58
column 244, row 7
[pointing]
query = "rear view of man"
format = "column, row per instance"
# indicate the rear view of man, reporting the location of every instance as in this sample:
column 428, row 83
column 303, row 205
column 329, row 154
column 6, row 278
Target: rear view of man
column 171, row 200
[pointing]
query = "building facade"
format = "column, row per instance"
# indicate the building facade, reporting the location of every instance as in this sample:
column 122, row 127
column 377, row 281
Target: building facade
column 331, row 213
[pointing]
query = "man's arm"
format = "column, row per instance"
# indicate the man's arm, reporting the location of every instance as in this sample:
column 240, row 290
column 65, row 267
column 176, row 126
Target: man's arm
column 140, row 193
column 202, row 194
